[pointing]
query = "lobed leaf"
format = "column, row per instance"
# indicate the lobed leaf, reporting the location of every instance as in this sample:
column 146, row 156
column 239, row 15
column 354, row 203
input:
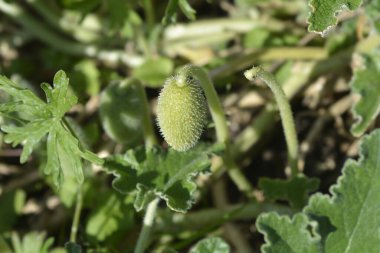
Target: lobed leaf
column 348, row 221
column 63, row 152
column 157, row 173
column 295, row 190
column 211, row 245
column 323, row 13
column 353, row 209
column 285, row 235
column 23, row 100
column 366, row 83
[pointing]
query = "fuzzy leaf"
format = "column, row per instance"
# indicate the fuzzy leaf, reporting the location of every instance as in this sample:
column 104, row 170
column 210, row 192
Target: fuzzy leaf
column 155, row 172
column 346, row 222
column 295, row 190
column 211, row 245
column 353, row 209
column 121, row 112
column 366, row 83
column 285, row 235
column 323, row 13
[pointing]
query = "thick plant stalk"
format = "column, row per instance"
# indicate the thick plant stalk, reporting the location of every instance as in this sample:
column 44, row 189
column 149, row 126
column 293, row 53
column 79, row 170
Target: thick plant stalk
column 142, row 242
column 285, row 113
column 222, row 131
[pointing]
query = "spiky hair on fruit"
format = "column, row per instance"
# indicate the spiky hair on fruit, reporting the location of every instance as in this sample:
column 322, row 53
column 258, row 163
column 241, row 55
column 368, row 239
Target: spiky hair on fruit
column 182, row 111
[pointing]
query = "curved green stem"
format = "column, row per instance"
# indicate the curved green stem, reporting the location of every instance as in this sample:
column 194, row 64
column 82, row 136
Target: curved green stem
column 76, row 219
column 222, row 131
column 150, row 214
column 285, row 113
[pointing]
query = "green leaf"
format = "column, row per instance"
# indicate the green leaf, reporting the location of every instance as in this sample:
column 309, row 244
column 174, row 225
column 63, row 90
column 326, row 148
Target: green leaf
column 11, row 204
column 59, row 98
column 345, row 222
column 33, row 242
column 211, row 245
column 372, row 11
column 353, row 209
column 121, row 112
column 285, row 235
column 170, row 16
column 63, row 152
column 73, row 247
column 154, row 71
column 114, row 213
column 187, row 9
column 24, row 101
column 323, row 13
column 30, row 134
column 295, row 190
column 155, row 172
column 85, row 77
column 4, row 247
column 366, row 83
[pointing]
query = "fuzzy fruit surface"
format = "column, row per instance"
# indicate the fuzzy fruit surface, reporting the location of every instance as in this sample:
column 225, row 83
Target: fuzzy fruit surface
column 181, row 112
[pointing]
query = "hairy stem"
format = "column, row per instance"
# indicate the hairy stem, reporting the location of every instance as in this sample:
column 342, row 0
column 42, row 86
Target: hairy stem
column 222, row 131
column 285, row 113
column 76, row 219
column 142, row 242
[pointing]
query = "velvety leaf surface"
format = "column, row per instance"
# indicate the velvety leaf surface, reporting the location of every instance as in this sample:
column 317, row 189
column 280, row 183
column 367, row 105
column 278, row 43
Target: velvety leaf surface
column 366, row 83
column 323, row 13
column 353, row 209
column 121, row 112
column 211, row 245
column 295, row 190
column 155, row 172
column 346, row 222
column 285, row 235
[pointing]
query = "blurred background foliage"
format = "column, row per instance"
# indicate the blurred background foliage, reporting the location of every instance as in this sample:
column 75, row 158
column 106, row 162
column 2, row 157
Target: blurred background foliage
column 104, row 44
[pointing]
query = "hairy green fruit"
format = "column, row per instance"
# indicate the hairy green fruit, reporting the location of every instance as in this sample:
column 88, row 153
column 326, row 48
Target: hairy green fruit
column 181, row 112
